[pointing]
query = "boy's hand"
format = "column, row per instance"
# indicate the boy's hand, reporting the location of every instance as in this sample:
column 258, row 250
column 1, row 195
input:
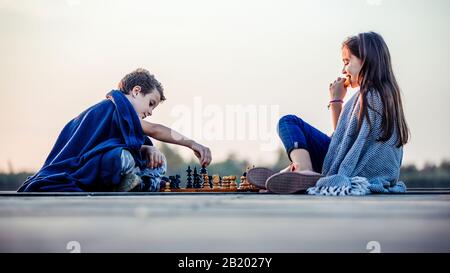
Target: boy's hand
column 203, row 153
column 337, row 89
column 154, row 157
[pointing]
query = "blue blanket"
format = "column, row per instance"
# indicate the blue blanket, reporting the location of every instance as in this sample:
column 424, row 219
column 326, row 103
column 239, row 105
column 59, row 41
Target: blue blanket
column 86, row 155
column 356, row 163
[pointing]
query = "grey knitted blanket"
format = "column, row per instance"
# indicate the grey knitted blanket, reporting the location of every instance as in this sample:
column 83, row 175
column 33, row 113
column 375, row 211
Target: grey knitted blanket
column 357, row 164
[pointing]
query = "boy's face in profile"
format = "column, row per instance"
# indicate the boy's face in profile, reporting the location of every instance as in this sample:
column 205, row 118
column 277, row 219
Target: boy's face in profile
column 144, row 103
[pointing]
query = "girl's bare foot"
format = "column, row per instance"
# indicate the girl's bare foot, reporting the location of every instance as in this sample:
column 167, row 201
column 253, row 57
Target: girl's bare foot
column 287, row 169
column 294, row 167
column 308, row 172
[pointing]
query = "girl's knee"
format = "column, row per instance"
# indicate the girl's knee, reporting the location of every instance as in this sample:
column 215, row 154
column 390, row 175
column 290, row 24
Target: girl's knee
column 288, row 120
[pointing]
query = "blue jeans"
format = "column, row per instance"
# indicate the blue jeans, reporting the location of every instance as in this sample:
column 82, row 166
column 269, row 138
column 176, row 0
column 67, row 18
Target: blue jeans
column 297, row 134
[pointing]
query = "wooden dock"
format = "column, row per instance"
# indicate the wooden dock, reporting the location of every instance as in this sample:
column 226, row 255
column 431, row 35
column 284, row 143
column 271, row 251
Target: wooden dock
column 224, row 222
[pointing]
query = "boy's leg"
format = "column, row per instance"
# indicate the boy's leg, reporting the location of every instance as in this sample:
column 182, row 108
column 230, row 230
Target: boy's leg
column 152, row 177
column 305, row 145
column 129, row 173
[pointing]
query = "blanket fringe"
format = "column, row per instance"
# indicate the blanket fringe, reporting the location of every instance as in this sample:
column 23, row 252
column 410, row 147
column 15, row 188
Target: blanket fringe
column 358, row 186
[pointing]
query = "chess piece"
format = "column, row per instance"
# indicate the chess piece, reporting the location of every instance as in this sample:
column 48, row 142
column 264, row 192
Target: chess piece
column 240, row 187
column 244, row 185
column 200, row 182
column 167, row 188
column 197, row 179
column 172, row 182
column 189, row 178
column 177, row 181
column 204, row 178
column 162, row 183
column 206, row 181
column 226, row 183
column 232, row 182
column 210, row 179
column 215, row 181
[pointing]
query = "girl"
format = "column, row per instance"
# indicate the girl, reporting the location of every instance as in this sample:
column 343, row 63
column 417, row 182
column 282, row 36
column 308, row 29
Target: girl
column 106, row 147
column 364, row 153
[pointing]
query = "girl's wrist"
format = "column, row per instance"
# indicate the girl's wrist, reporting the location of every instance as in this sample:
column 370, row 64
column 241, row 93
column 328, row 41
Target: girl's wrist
column 335, row 101
column 336, row 97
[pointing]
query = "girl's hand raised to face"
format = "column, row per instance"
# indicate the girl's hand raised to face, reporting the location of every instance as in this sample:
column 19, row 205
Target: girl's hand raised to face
column 337, row 89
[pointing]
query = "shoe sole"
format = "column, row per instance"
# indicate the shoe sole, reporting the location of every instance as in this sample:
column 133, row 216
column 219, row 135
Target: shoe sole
column 258, row 176
column 291, row 182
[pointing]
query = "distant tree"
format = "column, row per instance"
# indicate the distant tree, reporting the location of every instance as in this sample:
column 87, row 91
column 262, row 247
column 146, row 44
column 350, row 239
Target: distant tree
column 445, row 165
column 174, row 161
column 11, row 182
column 431, row 176
column 282, row 160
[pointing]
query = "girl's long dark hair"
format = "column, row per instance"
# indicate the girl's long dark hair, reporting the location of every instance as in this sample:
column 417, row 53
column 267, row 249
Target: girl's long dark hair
column 376, row 75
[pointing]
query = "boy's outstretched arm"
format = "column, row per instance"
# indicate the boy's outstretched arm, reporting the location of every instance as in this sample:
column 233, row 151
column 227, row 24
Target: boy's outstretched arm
column 165, row 134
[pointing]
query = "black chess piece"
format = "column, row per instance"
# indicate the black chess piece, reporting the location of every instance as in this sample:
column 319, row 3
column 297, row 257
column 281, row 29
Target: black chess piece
column 203, row 170
column 201, row 181
column 177, row 181
column 197, row 179
column 189, row 184
column 210, row 181
column 164, row 179
column 189, row 178
column 172, row 182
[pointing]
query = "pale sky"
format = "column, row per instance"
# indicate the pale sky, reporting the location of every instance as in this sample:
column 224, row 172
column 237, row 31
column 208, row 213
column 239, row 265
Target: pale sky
column 60, row 57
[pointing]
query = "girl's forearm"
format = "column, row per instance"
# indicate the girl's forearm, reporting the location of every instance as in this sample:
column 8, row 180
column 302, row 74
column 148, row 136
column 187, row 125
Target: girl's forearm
column 336, row 109
column 165, row 134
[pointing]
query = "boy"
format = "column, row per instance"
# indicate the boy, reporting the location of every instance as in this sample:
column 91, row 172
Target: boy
column 106, row 147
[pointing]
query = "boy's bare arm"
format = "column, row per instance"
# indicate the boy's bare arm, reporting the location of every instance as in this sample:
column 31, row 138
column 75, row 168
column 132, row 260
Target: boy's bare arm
column 166, row 134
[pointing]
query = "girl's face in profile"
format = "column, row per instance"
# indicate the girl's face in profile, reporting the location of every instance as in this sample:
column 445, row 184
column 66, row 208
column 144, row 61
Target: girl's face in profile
column 352, row 66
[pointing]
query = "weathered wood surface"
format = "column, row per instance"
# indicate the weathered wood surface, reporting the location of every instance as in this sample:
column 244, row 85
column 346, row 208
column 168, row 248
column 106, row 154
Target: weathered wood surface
column 223, row 222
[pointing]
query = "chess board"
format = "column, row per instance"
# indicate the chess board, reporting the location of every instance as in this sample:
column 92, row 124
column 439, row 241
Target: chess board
column 209, row 190
column 205, row 183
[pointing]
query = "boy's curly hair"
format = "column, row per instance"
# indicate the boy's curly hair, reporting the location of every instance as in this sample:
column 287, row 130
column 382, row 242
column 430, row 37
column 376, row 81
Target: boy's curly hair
column 141, row 77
